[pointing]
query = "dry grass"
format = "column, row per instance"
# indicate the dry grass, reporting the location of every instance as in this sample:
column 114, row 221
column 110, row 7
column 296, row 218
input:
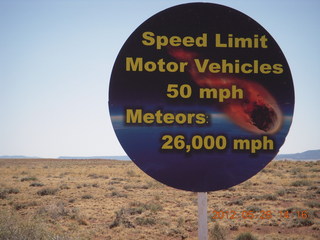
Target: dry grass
column 104, row 199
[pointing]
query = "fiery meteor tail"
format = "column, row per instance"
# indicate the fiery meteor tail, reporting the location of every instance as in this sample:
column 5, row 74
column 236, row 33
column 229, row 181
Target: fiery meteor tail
column 257, row 111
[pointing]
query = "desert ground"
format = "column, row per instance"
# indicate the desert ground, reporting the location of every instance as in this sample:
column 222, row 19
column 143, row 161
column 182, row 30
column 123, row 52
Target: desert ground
column 107, row 199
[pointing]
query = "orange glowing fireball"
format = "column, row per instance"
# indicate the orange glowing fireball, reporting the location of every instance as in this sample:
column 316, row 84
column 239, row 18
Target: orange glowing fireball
column 257, row 111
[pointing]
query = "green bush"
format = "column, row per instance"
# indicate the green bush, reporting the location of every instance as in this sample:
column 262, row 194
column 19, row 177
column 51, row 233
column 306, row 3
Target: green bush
column 152, row 206
column 87, row 196
column 118, row 194
column 253, row 208
column 15, row 227
column 270, row 197
column 13, row 190
column 217, row 232
column 28, row 179
column 3, row 194
column 235, row 202
column 36, row 184
column 121, row 219
column 300, row 183
column 131, row 173
column 302, row 222
column 144, row 221
column 47, row 191
column 313, row 204
column 246, row 236
column 6, row 191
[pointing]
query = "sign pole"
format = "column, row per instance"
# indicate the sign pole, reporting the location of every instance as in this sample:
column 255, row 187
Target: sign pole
column 202, row 216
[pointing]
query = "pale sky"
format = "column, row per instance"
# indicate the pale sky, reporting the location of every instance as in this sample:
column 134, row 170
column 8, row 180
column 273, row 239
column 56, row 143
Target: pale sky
column 56, row 59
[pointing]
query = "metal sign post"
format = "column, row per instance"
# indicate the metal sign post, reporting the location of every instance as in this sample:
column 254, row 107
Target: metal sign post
column 202, row 216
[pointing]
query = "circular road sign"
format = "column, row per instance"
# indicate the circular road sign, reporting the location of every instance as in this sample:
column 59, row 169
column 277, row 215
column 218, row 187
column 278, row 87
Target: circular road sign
column 201, row 97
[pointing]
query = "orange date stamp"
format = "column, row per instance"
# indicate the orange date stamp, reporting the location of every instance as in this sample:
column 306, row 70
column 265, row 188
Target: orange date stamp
column 230, row 214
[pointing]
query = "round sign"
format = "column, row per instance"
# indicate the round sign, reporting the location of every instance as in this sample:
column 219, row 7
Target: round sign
column 201, row 97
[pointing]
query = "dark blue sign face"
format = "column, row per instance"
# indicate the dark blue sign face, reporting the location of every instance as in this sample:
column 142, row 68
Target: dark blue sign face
column 201, row 97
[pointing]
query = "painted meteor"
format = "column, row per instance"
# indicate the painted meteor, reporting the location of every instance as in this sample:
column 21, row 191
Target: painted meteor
column 257, row 112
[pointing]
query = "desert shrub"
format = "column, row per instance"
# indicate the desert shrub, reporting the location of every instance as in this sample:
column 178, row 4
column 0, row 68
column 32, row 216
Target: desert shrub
column 253, row 208
column 302, row 176
column 59, row 210
column 153, row 184
column 74, row 213
column 5, row 191
column 145, row 221
column 87, row 196
column 267, row 170
column 131, row 186
column 177, row 233
column 15, row 227
column 12, row 190
column 117, row 179
column 61, row 175
column 313, row 204
column 180, row 222
column 124, row 215
column 18, row 206
column 218, row 232
column 95, row 176
column 310, row 196
column 294, row 209
column 256, row 197
column 152, row 206
column 36, row 184
column 283, row 192
column 47, row 191
column 234, row 228
column 268, row 182
column 121, row 219
column 83, row 221
column 64, row 186
column 3, row 194
column 295, row 171
column 157, row 197
column 235, row 202
column 270, row 197
column 113, row 182
column 54, row 211
column 131, row 173
column 300, row 183
column 118, row 194
column 246, row 236
column 302, row 222
column 28, row 179
column 135, row 210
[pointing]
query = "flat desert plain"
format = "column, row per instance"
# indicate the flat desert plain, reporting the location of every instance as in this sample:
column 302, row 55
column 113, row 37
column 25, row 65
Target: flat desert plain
column 107, row 199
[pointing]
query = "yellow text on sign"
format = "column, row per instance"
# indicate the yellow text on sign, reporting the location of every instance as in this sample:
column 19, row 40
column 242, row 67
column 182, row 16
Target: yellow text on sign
column 253, row 145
